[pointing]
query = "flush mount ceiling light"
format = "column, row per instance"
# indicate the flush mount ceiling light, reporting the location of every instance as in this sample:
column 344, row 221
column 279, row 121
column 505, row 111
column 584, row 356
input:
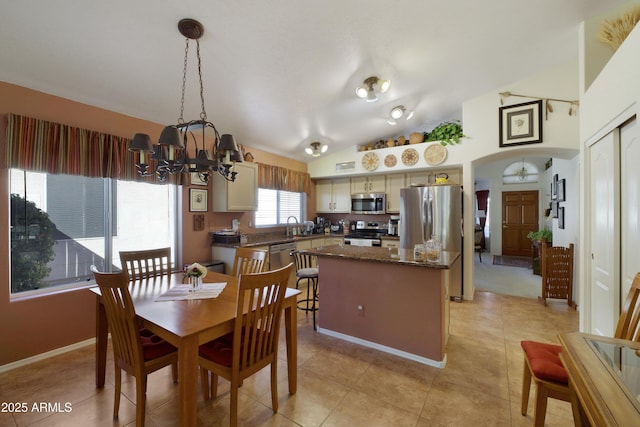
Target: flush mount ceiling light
column 170, row 153
column 397, row 113
column 370, row 86
column 316, row 149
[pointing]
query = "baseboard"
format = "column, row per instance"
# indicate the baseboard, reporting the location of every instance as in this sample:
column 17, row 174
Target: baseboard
column 48, row 354
column 420, row 359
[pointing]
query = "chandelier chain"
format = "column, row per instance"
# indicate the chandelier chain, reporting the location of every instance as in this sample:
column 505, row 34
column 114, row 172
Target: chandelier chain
column 184, row 80
column 203, row 113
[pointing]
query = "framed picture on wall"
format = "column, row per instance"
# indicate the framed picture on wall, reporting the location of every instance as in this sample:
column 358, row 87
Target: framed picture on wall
column 561, row 218
column 197, row 200
column 554, row 209
column 520, row 124
column 554, row 187
column 560, row 190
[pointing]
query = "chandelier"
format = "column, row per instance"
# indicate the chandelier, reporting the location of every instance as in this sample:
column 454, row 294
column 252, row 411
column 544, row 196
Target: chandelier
column 316, row 149
column 170, row 154
column 370, row 86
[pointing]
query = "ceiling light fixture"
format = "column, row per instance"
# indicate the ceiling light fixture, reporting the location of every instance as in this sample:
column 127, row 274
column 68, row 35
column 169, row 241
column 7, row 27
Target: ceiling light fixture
column 397, row 113
column 170, row 153
column 573, row 105
column 316, row 149
column 370, row 86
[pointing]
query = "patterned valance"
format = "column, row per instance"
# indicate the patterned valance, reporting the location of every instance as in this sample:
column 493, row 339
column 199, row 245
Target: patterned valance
column 279, row 178
column 42, row 146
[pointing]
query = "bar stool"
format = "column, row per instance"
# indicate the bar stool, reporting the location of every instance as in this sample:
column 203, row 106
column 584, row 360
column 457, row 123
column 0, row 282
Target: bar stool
column 306, row 269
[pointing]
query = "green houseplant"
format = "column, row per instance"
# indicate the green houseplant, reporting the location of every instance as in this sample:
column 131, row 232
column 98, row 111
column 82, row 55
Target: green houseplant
column 447, row 133
column 541, row 235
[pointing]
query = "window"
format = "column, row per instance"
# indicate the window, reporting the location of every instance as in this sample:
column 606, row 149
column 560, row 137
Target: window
column 275, row 206
column 62, row 224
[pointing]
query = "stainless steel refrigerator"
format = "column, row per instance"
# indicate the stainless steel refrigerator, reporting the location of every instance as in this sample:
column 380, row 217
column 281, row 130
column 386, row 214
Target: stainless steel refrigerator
column 432, row 211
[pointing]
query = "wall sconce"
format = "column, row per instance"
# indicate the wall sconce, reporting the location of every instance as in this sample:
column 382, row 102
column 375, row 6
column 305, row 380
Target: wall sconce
column 397, row 113
column 370, row 86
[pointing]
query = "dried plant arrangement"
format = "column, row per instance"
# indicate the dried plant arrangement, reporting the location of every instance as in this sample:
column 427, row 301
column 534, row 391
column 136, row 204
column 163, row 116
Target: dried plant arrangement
column 613, row 32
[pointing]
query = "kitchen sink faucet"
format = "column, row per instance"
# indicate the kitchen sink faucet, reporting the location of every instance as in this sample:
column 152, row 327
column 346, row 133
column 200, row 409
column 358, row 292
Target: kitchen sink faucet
column 295, row 231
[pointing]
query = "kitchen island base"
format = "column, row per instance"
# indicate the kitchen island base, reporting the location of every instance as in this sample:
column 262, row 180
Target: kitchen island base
column 400, row 308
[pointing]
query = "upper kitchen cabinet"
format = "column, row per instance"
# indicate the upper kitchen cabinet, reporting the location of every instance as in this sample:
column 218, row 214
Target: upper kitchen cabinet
column 394, row 183
column 333, row 195
column 368, row 184
column 240, row 195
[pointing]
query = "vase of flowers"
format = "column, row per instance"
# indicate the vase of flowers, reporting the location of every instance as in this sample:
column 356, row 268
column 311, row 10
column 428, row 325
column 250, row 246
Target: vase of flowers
column 194, row 273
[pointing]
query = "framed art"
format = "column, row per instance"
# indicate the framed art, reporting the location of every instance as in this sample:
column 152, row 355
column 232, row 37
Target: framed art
column 197, row 200
column 560, row 190
column 554, row 187
column 554, row 209
column 196, row 179
column 561, row 218
column 520, row 124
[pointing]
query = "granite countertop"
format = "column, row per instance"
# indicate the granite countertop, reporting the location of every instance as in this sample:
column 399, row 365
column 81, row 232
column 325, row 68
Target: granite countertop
column 254, row 240
column 385, row 255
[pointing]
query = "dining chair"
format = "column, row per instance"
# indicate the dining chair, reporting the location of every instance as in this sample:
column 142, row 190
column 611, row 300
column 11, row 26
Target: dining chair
column 307, row 269
column 145, row 264
column 136, row 350
column 247, row 261
column 253, row 344
column 542, row 362
column 477, row 242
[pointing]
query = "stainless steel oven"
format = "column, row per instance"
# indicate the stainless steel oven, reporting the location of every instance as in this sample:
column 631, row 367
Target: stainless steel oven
column 366, row 234
column 368, row 203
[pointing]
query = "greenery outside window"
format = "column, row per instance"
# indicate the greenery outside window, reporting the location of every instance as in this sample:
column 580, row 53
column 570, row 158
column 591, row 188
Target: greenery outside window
column 275, row 206
column 62, row 224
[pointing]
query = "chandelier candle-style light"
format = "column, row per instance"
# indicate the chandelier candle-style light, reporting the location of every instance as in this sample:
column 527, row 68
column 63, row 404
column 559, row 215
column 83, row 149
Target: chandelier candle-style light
column 170, row 153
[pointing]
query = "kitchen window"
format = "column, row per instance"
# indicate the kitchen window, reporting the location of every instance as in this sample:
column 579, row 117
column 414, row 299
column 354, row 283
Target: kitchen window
column 62, row 224
column 275, row 206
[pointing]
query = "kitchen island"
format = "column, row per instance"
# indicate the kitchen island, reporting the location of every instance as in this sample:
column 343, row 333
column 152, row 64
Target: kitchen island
column 384, row 299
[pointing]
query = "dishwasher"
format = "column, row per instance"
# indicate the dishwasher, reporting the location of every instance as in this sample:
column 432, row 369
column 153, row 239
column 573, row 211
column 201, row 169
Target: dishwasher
column 280, row 255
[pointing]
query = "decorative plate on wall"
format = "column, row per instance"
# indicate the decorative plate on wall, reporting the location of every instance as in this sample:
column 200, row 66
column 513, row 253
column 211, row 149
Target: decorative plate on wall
column 370, row 161
column 410, row 157
column 435, row 154
column 390, row 160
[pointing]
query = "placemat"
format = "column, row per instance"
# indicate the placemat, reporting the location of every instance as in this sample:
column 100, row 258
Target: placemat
column 181, row 292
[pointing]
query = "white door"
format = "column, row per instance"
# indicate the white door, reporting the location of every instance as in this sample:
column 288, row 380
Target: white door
column 604, row 234
column 629, row 205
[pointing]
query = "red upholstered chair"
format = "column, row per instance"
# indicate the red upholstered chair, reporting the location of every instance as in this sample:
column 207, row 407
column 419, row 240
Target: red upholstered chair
column 137, row 351
column 543, row 365
column 253, row 344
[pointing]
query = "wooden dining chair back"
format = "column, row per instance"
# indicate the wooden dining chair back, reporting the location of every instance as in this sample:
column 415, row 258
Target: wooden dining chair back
column 628, row 327
column 253, row 344
column 249, row 261
column 135, row 350
column 146, row 264
column 542, row 363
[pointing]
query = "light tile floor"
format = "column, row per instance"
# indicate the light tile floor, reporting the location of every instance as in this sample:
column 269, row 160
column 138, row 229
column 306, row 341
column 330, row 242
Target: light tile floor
column 339, row 384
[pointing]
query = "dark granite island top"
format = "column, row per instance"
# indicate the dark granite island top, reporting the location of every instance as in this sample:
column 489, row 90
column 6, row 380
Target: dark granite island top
column 383, row 255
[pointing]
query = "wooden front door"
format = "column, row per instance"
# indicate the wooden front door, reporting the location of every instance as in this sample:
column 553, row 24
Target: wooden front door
column 519, row 217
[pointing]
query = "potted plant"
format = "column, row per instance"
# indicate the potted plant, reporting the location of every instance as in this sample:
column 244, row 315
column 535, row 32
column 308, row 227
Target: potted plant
column 544, row 235
column 447, row 133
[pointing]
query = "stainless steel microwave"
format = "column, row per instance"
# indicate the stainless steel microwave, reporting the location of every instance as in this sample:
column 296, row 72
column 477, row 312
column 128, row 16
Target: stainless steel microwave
column 368, row 203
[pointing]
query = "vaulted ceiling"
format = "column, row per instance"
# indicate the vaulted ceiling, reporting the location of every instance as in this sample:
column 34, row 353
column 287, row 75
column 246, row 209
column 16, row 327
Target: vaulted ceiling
column 280, row 74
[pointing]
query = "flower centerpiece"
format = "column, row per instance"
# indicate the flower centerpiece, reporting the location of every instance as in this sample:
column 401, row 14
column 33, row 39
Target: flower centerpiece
column 195, row 272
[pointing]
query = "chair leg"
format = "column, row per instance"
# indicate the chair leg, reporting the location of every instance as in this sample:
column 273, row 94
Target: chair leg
column 274, row 386
column 540, row 411
column 233, row 412
column 526, row 386
column 314, row 283
column 480, row 255
column 141, row 400
column 204, row 382
column 116, row 399
column 214, row 385
column 174, row 372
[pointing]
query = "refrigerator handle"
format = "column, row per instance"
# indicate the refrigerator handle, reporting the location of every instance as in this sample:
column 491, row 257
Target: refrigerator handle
column 427, row 234
column 462, row 227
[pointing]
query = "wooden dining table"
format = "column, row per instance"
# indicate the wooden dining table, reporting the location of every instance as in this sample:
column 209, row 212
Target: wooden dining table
column 187, row 324
column 604, row 379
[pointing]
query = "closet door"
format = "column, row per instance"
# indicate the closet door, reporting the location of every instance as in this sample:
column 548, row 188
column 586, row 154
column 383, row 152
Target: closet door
column 604, row 234
column 629, row 205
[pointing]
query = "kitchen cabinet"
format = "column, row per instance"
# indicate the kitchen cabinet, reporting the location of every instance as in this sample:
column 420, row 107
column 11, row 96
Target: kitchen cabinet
column 333, row 195
column 240, row 195
column 390, row 243
column 303, row 244
column 328, row 241
column 368, row 184
column 393, row 184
